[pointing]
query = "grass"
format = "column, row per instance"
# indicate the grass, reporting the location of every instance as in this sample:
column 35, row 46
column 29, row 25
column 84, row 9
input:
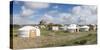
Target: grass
column 85, row 39
column 50, row 38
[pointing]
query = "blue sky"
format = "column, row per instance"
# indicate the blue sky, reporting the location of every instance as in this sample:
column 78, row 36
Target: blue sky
column 33, row 12
column 60, row 8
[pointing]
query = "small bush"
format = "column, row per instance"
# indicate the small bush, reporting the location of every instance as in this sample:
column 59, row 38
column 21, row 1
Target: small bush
column 81, row 42
column 89, row 34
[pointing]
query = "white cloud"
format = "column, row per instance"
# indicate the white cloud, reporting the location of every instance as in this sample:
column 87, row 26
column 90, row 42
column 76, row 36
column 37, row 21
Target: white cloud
column 22, row 21
column 53, row 13
column 84, row 10
column 47, row 18
column 65, row 18
column 24, row 16
column 86, row 14
column 79, row 15
column 26, row 12
column 76, row 10
column 92, row 19
column 36, row 5
column 92, row 9
column 29, row 8
column 65, row 14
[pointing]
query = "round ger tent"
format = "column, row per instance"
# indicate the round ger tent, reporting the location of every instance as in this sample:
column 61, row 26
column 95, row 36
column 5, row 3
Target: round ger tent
column 84, row 28
column 72, row 28
column 29, row 31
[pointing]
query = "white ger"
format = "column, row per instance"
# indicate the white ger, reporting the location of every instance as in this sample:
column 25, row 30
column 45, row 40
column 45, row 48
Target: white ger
column 29, row 31
column 72, row 28
column 84, row 28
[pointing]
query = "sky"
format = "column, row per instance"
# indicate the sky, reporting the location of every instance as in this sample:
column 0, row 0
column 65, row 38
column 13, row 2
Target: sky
column 27, row 12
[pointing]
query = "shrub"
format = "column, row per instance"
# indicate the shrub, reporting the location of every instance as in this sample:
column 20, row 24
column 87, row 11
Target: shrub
column 81, row 42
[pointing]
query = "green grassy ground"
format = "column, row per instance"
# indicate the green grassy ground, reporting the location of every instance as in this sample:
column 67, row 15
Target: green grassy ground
column 50, row 38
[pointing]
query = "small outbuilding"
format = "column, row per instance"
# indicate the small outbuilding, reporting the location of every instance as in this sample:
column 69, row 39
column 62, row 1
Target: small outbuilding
column 55, row 28
column 84, row 28
column 93, row 27
column 29, row 31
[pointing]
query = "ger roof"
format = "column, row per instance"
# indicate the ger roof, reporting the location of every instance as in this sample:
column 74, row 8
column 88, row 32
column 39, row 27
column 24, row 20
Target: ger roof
column 84, row 27
column 72, row 26
column 27, row 28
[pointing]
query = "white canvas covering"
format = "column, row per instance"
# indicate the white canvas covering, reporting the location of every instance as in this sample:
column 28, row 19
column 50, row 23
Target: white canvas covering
column 72, row 26
column 23, row 34
column 26, row 28
column 24, row 31
column 84, row 28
